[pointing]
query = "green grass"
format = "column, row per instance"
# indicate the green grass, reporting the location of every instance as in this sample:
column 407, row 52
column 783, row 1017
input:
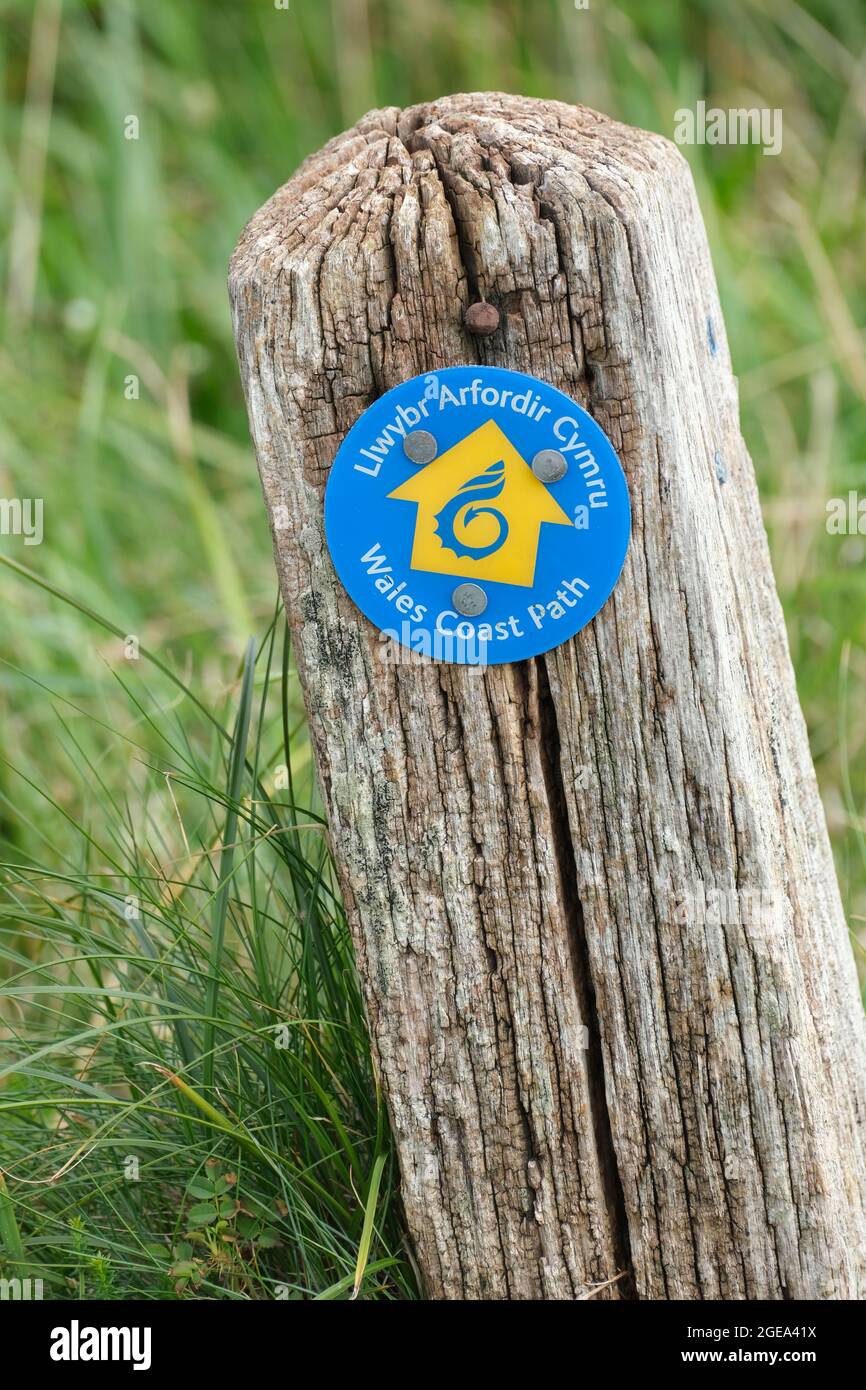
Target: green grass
column 187, row 1101
column 180, row 1001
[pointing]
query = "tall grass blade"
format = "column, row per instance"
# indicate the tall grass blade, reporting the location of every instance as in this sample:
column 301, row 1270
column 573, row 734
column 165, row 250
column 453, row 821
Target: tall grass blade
column 236, row 771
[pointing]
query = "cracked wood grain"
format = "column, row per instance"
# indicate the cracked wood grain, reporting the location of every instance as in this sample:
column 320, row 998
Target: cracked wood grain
column 582, row 1079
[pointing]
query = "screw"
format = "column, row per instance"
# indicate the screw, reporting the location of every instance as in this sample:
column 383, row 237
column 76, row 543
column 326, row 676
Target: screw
column 549, row 465
column 420, row 446
column 469, row 599
column 482, row 319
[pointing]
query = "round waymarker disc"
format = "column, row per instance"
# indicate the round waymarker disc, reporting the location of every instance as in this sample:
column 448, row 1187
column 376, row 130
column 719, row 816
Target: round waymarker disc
column 438, row 491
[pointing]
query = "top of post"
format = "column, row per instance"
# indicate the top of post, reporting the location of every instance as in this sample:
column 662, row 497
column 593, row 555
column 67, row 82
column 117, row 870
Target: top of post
column 471, row 140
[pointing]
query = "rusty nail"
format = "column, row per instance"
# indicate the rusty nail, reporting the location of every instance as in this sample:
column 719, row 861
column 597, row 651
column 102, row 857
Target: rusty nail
column 482, row 319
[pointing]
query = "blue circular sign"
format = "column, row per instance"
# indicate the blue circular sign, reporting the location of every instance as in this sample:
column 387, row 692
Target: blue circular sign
column 477, row 515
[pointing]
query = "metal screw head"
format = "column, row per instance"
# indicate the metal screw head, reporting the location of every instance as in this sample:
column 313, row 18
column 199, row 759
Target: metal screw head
column 482, row 319
column 420, row 446
column 469, row 599
column 549, row 465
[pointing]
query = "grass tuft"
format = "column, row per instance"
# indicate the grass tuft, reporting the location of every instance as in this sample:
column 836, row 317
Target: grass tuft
column 188, row 1106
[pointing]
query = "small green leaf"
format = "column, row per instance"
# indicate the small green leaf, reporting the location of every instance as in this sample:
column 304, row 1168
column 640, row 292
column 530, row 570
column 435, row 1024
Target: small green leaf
column 202, row 1214
column 200, row 1187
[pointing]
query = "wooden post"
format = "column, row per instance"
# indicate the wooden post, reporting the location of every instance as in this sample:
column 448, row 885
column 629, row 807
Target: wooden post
column 610, row 990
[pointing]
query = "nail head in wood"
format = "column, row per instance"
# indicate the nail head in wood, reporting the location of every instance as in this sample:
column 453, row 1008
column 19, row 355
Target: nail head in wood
column 482, row 319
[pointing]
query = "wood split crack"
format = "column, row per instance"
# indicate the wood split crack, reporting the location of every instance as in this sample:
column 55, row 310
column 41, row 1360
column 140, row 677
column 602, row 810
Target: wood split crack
column 573, row 914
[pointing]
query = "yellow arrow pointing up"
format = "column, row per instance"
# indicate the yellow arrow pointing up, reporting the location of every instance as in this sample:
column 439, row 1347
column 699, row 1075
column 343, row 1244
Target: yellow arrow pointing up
column 483, row 498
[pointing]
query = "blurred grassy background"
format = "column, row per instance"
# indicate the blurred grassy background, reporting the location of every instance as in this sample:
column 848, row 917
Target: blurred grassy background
column 114, row 263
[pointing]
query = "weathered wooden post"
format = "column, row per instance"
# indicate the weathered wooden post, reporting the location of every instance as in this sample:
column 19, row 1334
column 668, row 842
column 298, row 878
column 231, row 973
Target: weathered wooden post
column 610, row 990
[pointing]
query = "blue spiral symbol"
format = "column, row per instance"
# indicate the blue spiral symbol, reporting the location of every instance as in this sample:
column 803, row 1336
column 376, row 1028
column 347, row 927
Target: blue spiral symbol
column 482, row 488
